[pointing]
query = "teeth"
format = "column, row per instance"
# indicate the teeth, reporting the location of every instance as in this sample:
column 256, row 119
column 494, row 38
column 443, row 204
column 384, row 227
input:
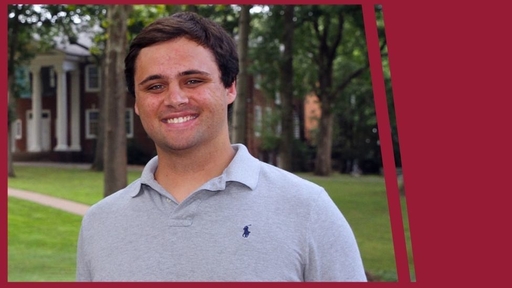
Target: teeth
column 180, row 119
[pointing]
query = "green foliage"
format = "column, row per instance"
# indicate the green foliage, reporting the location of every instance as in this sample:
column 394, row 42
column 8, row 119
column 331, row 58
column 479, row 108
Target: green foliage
column 20, row 49
column 270, row 139
column 142, row 15
column 38, row 28
column 264, row 51
column 304, row 155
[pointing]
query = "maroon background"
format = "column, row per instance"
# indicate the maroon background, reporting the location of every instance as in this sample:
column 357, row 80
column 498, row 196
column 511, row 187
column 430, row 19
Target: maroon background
column 450, row 66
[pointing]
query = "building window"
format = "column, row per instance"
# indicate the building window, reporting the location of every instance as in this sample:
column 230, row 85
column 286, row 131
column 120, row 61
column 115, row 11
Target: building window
column 48, row 80
column 92, row 78
column 18, row 132
column 258, row 120
column 296, row 125
column 23, row 82
column 129, row 122
column 92, row 123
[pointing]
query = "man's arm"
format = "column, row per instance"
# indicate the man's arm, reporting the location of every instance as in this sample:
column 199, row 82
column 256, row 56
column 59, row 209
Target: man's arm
column 333, row 252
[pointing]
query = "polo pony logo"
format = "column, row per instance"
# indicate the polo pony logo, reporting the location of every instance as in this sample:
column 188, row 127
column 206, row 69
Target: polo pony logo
column 246, row 231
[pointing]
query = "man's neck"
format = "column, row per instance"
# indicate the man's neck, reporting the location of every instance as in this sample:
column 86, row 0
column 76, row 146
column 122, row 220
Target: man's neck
column 181, row 173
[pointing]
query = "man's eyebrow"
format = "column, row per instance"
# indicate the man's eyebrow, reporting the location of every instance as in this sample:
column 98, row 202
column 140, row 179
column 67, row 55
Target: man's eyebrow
column 151, row 77
column 194, row 72
column 184, row 73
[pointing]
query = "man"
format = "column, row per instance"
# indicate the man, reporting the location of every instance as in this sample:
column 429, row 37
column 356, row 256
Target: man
column 205, row 209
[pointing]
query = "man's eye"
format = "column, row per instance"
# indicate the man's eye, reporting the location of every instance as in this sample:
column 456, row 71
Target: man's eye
column 193, row 82
column 155, row 87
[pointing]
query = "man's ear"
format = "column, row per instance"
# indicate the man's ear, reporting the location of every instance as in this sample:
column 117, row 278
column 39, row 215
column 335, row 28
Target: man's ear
column 231, row 93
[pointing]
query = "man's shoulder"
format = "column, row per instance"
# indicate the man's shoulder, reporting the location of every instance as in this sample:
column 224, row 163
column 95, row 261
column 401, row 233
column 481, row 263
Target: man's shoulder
column 282, row 175
column 116, row 200
column 274, row 177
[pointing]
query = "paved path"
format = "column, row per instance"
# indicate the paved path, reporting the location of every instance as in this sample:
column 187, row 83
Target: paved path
column 62, row 204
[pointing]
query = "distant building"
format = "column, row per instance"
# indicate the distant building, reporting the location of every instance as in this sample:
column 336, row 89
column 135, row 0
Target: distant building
column 312, row 113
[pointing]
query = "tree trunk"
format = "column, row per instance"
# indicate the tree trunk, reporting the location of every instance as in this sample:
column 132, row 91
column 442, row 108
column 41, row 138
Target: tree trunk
column 325, row 61
column 323, row 166
column 239, row 128
column 115, row 159
column 286, row 83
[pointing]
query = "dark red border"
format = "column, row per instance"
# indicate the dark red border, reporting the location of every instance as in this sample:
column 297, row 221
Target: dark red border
column 450, row 67
column 450, row 64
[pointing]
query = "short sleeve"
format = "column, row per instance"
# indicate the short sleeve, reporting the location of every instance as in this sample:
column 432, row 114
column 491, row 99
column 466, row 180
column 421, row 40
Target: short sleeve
column 333, row 253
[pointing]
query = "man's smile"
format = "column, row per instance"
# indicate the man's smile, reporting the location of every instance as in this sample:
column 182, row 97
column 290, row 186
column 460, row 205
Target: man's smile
column 180, row 119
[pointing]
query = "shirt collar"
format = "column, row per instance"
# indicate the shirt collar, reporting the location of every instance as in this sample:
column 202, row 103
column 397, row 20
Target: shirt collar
column 244, row 168
column 147, row 177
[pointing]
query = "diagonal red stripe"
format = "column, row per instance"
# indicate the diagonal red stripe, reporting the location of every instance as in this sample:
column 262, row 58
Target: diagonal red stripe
column 384, row 130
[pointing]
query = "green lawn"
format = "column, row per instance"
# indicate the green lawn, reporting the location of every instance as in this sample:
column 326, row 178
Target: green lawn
column 361, row 199
column 41, row 241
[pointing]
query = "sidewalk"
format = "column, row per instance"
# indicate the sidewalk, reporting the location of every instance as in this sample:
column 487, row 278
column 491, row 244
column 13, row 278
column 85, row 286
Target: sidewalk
column 62, row 204
column 58, row 203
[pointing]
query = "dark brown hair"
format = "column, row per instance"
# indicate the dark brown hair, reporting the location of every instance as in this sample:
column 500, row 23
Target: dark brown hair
column 190, row 25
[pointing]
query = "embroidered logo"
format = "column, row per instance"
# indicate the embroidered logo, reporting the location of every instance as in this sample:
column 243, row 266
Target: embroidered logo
column 246, row 231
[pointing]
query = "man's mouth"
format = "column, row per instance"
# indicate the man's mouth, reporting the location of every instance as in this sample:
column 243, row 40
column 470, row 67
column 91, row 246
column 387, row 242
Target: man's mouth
column 180, row 119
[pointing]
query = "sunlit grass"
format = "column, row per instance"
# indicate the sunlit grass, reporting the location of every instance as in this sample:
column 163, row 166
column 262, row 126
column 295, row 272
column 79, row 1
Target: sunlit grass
column 81, row 185
column 41, row 242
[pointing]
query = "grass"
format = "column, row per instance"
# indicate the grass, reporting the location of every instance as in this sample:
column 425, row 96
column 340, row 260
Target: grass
column 81, row 185
column 41, row 241
column 362, row 200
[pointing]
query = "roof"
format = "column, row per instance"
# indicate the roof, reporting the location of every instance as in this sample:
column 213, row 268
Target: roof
column 84, row 39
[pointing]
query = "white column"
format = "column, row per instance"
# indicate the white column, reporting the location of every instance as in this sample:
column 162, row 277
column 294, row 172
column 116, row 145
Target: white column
column 35, row 140
column 62, row 111
column 75, row 111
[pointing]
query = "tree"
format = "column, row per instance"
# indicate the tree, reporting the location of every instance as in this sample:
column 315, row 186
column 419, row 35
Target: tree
column 19, row 52
column 115, row 158
column 355, row 139
column 286, row 89
column 326, row 25
column 239, row 127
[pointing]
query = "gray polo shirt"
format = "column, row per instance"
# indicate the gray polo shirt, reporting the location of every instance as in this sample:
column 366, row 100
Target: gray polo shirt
column 255, row 222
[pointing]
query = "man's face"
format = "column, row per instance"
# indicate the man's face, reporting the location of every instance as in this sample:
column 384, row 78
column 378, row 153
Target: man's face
column 180, row 98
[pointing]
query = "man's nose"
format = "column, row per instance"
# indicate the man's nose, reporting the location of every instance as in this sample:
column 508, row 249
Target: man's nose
column 175, row 96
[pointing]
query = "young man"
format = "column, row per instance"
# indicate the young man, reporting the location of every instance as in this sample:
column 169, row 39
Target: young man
column 205, row 209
